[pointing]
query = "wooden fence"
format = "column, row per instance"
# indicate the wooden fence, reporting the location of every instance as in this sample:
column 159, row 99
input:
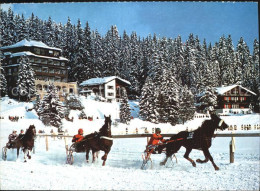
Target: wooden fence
column 147, row 135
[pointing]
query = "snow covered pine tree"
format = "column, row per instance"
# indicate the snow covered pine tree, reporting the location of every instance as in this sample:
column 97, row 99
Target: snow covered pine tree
column 125, row 114
column 50, row 109
column 26, row 81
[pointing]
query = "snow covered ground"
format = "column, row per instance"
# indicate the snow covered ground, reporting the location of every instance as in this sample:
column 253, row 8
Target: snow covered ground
column 47, row 170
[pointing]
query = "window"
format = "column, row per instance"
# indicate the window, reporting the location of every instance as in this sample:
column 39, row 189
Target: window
column 44, row 69
column 51, row 70
column 62, row 64
column 56, row 63
column 10, row 62
column 37, row 51
column 57, row 71
column 56, row 54
column 43, row 61
column 43, row 52
column 110, row 87
column 110, row 94
column 15, row 69
column 51, row 52
column 9, row 71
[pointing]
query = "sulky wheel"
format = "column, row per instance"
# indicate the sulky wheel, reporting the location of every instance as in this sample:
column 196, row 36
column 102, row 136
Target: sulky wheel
column 4, row 153
column 70, row 158
column 146, row 158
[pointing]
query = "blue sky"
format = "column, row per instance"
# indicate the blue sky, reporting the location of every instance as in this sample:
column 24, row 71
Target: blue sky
column 209, row 20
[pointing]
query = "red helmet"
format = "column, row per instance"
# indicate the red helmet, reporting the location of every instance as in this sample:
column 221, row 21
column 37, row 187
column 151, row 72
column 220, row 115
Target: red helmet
column 80, row 131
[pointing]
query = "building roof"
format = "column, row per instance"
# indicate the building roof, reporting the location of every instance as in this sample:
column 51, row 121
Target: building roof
column 29, row 43
column 27, row 53
column 224, row 89
column 99, row 81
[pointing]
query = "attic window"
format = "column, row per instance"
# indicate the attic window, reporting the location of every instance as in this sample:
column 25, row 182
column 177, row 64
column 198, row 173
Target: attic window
column 37, row 51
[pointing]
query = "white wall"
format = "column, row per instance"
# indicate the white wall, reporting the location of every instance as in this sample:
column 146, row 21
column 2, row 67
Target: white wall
column 107, row 90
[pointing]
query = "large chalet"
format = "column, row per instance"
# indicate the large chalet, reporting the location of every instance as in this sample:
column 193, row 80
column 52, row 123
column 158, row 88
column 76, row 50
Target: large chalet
column 234, row 99
column 49, row 66
column 109, row 88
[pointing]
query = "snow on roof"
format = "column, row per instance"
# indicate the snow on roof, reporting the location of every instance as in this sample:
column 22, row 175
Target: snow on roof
column 29, row 43
column 222, row 90
column 98, row 81
column 27, row 53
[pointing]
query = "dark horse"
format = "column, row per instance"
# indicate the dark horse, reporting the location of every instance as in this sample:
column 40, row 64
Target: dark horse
column 199, row 139
column 26, row 142
column 99, row 141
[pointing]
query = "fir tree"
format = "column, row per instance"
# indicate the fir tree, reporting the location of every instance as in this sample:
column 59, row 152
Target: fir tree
column 125, row 114
column 3, row 82
column 50, row 109
column 26, row 80
column 187, row 108
column 209, row 98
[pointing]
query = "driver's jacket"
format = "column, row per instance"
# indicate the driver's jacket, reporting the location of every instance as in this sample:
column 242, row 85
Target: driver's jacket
column 77, row 138
column 155, row 139
column 12, row 137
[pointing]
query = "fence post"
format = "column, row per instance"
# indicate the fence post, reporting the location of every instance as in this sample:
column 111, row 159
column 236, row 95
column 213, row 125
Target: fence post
column 46, row 141
column 232, row 148
column 66, row 145
column 148, row 139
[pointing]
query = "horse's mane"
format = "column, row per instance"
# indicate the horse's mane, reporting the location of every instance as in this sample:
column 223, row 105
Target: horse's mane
column 210, row 122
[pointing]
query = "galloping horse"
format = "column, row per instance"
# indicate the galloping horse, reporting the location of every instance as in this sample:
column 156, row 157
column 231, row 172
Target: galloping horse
column 26, row 142
column 101, row 141
column 199, row 139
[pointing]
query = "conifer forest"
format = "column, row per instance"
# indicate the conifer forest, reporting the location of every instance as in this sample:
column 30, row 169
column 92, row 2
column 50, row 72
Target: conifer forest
column 157, row 68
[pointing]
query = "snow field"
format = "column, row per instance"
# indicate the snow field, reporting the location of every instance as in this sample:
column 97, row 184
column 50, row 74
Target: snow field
column 47, row 170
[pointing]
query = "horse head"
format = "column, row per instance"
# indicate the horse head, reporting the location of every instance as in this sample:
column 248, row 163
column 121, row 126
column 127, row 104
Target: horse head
column 220, row 124
column 108, row 121
column 106, row 128
column 32, row 130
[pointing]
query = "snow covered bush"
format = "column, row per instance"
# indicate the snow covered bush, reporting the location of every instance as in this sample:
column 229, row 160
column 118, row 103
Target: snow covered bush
column 73, row 102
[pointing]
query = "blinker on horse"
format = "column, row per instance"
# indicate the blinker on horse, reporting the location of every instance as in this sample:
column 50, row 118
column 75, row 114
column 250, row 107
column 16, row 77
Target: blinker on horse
column 200, row 139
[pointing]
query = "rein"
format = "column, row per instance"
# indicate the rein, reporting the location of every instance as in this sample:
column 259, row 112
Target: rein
column 170, row 141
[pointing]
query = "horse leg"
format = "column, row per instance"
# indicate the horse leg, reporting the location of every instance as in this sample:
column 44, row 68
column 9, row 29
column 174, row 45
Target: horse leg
column 186, row 156
column 25, row 154
column 104, row 158
column 93, row 155
column 207, row 154
column 28, row 154
column 18, row 148
column 164, row 161
column 205, row 160
column 87, row 154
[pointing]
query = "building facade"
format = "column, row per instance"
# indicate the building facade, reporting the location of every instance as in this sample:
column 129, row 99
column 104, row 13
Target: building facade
column 234, row 99
column 48, row 64
column 108, row 88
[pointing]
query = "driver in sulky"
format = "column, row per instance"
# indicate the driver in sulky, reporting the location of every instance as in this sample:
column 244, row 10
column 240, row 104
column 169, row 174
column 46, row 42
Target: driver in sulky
column 154, row 141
